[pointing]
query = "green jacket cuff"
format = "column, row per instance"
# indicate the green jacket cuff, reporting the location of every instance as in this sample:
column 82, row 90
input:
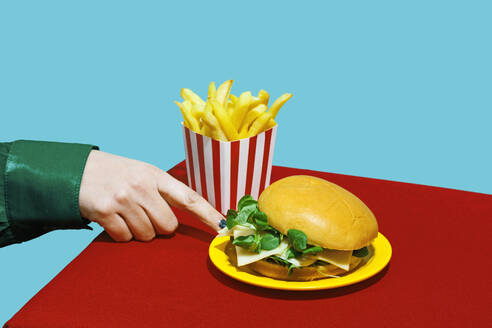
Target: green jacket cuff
column 6, row 235
column 41, row 187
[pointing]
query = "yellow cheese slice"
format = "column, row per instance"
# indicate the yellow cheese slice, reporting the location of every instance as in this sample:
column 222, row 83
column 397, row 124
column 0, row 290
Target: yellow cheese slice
column 246, row 257
column 301, row 261
column 226, row 232
column 242, row 231
column 340, row 259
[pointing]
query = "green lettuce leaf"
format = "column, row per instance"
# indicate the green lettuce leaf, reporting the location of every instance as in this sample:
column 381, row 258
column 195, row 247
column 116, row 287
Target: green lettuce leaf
column 362, row 252
column 269, row 241
column 297, row 239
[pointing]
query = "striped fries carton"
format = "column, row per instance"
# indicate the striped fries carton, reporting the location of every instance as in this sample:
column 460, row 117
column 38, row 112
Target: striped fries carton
column 224, row 171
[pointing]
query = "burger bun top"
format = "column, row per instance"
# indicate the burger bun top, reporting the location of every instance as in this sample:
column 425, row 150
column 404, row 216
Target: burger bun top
column 330, row 216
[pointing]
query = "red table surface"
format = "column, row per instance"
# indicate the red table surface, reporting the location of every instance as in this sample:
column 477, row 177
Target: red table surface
column 439, row 275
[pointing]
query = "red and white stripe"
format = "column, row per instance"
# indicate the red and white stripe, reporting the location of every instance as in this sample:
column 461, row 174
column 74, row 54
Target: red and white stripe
column 223, row 172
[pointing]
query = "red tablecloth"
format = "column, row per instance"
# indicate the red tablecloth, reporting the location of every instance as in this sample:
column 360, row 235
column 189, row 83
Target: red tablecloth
column 439, row 275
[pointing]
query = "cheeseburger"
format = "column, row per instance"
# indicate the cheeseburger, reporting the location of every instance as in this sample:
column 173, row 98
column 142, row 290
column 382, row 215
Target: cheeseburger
column 301, row 228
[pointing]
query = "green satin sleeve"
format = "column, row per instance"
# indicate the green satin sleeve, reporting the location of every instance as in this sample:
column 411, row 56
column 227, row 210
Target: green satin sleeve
column 40, row 188
column 6, row 235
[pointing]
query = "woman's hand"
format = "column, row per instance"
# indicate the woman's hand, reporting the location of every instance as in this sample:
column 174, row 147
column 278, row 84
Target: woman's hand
column 129, row 198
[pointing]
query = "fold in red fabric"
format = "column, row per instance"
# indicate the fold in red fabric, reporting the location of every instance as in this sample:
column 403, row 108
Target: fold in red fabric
column 438, row 277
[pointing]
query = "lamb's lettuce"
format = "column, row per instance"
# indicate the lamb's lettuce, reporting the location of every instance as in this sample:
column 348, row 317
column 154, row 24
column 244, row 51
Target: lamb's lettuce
column 265, row 237
column 362, row 252
column 281, row 261
column 269, row 241
column 297, row 239
column 312, row 250
column 251, row 242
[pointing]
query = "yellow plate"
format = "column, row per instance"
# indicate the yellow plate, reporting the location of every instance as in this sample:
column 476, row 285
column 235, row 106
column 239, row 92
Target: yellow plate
column 380, row 251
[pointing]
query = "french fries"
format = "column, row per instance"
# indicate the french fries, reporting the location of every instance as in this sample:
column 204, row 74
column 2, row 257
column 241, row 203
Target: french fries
column 190, row 120
column 225, row 117
column 250, row 117
column 225, row 121
column 241, row 109
column 212, row 91
column 262, row 98
column 211, row 125
column 279, row 103
column 189, row 95
column 223, row 92
column 260, row 123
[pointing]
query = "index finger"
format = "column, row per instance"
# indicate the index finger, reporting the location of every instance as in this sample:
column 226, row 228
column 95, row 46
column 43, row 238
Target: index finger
column 181, row 196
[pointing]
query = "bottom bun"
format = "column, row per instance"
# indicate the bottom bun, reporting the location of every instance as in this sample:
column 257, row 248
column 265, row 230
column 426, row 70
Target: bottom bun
column 307, row 273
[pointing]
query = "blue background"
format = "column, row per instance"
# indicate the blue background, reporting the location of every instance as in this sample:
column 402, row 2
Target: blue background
column 381, row 89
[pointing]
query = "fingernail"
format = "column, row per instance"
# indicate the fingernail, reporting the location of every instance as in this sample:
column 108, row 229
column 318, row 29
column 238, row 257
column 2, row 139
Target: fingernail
column 222, row 224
